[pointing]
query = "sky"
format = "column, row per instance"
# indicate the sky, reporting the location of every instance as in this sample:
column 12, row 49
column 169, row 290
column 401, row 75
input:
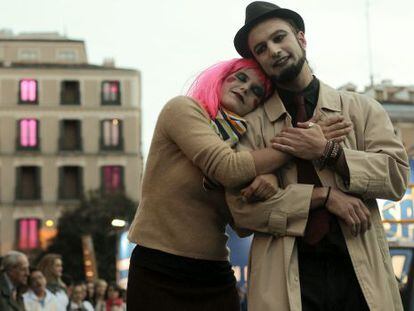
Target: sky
column 171, row 41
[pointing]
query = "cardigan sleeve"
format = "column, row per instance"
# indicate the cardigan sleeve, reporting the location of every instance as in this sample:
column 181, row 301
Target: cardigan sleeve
column 184, row 122
column 285, row 213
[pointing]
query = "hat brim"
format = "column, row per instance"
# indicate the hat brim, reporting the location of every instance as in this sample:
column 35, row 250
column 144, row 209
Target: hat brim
column 240, row 40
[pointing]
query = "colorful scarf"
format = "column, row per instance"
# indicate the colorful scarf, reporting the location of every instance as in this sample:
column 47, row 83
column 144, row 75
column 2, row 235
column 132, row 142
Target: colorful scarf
column 230, row 128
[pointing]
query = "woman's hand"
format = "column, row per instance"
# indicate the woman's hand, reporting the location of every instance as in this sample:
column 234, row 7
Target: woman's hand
column 262, row 188
column 335, row 128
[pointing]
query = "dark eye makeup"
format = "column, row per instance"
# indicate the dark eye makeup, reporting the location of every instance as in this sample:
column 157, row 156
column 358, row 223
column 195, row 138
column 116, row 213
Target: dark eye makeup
column 242, row 76
column 258, row 91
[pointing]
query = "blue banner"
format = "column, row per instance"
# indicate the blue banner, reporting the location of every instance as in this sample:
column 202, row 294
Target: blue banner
column 239, row 255
column 124, row 252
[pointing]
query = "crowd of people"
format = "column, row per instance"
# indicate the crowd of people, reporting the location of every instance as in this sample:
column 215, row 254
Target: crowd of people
column 44, row 287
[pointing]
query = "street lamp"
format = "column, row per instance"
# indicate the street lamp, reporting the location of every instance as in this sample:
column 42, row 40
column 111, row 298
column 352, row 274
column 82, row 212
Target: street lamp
column 118, row 223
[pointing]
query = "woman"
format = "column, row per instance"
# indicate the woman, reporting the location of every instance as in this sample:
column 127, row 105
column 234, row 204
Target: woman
column 52, row 268
column 99, row 299
column 181, row 260
column 77, row 300
column 115, row 301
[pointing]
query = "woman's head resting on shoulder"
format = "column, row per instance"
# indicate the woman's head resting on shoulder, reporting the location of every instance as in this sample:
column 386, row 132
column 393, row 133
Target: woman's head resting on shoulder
column 238, row 85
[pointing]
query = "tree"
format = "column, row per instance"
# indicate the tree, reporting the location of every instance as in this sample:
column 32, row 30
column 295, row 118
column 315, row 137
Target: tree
column 93, row 216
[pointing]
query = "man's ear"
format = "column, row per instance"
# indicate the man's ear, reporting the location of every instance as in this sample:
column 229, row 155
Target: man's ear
column 301, row 39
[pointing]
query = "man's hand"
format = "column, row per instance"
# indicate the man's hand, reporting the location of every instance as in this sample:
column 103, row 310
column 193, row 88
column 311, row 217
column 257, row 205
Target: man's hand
column 349, row 209
column 335, row 127
column 262, row 188
column 306, row 141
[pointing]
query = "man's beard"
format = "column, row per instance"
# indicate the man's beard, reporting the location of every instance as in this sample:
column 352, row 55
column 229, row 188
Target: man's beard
column 290, row 73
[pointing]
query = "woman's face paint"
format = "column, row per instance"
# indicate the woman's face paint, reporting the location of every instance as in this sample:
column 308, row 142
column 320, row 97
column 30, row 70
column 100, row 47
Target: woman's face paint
column 242, row 91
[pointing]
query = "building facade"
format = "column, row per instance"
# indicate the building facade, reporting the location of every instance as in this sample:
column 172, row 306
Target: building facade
column 66, row 127
column 398, row 101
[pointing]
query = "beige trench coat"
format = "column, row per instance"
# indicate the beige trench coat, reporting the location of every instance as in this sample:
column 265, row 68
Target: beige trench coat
column 378, row 168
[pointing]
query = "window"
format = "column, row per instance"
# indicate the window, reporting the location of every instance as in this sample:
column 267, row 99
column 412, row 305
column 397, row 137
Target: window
column 28, row 183
column 70, row 135
column 70, row 183
column 110, row 93
column 67, row 55
column 28, row 138
column 112, row 178
column 28, row 233
column 69, row 94
column 111, row 135
column 28, row 91
column 28, row 55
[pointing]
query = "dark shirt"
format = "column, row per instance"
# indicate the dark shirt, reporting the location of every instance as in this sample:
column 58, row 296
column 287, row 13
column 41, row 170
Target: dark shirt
column 333, row 243
column 311, row 95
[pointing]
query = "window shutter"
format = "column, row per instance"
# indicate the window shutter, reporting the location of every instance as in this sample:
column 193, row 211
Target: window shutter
column 18, row 193
column 80, row 181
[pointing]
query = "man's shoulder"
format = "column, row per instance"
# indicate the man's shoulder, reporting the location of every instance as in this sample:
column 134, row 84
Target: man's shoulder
column 352, row 99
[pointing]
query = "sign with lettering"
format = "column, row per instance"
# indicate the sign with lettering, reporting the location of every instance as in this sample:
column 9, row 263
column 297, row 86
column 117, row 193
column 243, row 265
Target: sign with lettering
column 399, row 216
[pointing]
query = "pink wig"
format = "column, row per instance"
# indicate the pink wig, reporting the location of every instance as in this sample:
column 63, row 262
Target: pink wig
column 206, row 88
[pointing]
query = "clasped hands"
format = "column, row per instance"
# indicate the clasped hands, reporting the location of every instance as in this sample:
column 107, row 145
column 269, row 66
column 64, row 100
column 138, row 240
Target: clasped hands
column 307, row 141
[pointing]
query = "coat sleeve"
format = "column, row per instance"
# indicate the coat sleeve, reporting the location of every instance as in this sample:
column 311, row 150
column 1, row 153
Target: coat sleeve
column 286, row 213
column 380, row 168
column 185, row 123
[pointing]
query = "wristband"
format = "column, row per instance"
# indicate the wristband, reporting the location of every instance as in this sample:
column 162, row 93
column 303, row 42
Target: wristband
column 327, row 197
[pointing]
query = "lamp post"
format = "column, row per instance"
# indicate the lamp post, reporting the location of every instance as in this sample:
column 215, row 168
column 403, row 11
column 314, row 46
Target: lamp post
column 121, row 248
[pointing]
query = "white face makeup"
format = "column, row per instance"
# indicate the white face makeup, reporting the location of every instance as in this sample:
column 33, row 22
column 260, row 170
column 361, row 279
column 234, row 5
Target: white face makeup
column 278, row 49
column 242, row 91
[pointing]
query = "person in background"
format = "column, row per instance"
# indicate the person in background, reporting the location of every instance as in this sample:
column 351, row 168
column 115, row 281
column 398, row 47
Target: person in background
column 90, row 291
column 38, row 297
column 68, row 281
column 52, row 267
column 99, row 300
column 86, row 302
column 13, row 277
column 77, row 301
column 115, row 301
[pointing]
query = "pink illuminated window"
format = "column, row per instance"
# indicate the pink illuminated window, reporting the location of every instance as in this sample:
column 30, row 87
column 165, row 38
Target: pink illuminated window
column 28, row 133
column 110, row 92
column 28, row 233
column 28, row 91
column 112, row 178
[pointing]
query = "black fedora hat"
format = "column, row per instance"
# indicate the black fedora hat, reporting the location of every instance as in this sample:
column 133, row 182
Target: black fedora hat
column 257, row 12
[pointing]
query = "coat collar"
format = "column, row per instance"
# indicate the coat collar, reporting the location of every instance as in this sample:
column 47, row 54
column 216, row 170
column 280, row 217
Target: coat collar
column 329, row 99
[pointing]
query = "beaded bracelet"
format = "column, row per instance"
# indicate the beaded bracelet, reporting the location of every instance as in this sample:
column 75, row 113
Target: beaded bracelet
column 331, row 154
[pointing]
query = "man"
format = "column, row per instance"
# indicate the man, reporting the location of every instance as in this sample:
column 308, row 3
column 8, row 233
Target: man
column 39, row 298
column 12, row 278
column 316, row 247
